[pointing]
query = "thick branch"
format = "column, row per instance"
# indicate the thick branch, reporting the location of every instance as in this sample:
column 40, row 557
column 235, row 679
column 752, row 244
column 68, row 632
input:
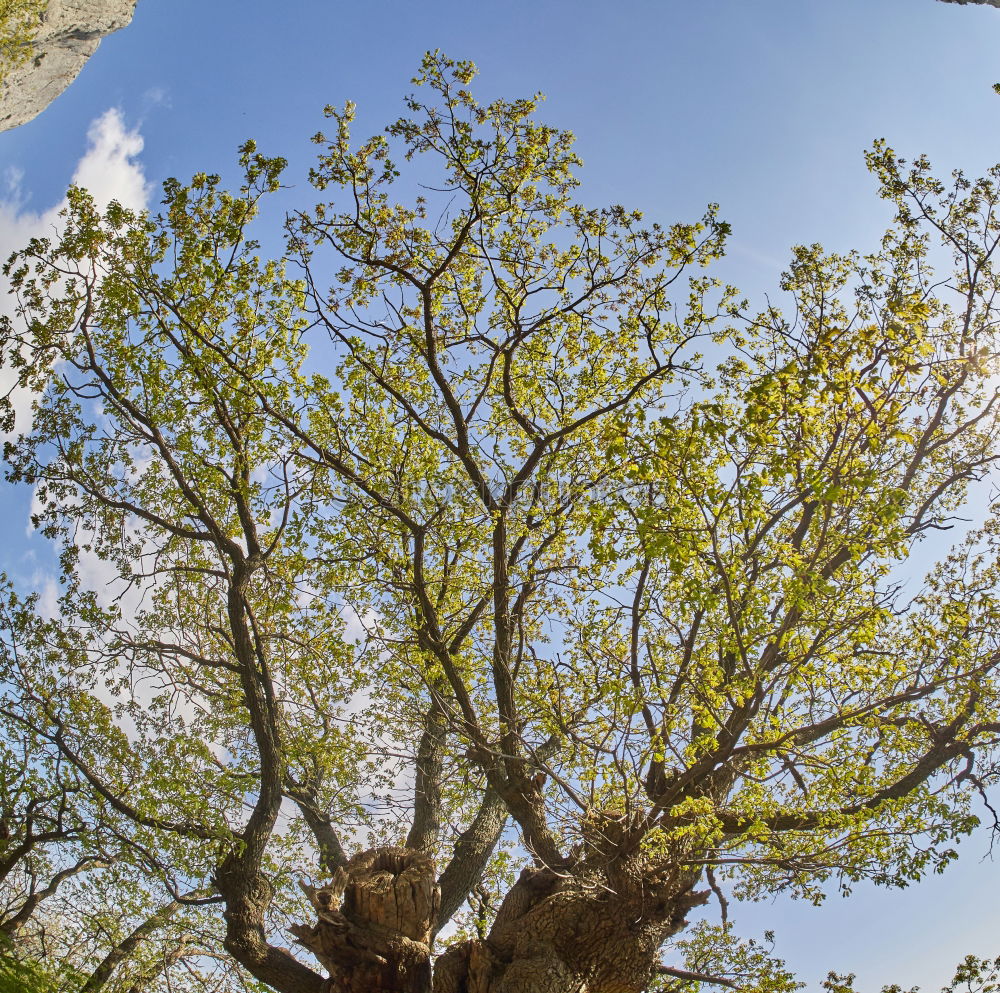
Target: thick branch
column 185, row 828
column 472, row 852
column 695, row 977
column 331, row 852
column 98, row 979
column 15, row 922
column 944, row 750
column 426, row 825
column 248, row 894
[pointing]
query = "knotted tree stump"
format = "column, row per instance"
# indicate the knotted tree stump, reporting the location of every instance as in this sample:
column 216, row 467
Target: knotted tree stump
column 375, row 920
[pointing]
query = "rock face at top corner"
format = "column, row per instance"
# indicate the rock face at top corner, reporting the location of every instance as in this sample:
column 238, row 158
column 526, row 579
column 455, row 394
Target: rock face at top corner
column 69, row 34
column 990, row 3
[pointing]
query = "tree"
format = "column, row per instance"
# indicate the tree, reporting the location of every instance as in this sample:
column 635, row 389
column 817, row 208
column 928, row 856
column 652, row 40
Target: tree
column 973, row 975
column 992, row 3
column 444, row 570
column 49, row 833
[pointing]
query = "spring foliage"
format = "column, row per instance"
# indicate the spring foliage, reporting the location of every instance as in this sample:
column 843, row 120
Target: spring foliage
column 481, row 502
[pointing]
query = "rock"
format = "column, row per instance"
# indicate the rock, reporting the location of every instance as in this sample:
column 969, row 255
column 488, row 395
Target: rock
column 69, row 34
column 991, row 3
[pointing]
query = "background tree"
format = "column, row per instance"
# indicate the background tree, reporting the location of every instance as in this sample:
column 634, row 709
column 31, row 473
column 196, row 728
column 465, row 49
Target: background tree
column 992, row 3
column 82, row 906
column 451, row 557
column 50, row 833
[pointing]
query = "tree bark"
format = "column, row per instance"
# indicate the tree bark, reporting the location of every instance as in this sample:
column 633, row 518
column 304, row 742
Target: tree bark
column 596, row 929
column 570, row 934
column 375, row 922
column 471, row 853
column 247, row 895
column 426, row 825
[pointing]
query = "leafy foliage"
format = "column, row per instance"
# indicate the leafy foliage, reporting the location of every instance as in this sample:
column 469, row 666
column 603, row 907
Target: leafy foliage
column 973, row 975
column 488, row 524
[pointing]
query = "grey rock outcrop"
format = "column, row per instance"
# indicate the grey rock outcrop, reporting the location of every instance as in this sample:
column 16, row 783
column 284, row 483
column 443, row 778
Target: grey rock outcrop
column 69, row 34
column 990, row 3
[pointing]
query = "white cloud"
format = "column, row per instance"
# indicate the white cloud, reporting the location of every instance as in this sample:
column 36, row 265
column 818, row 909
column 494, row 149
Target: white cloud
column 48, row 595
column 109, row 168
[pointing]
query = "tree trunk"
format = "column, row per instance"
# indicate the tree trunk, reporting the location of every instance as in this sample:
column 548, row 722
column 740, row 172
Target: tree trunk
column 570, row 934
column 592, row 931
column 375, row 921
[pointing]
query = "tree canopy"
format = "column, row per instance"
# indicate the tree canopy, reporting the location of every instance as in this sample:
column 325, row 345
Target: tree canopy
column 489, row 566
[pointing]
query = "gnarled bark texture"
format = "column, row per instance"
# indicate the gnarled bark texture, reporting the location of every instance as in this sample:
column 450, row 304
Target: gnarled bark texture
column 589, row 930
column 375, row 922
column 570, row 934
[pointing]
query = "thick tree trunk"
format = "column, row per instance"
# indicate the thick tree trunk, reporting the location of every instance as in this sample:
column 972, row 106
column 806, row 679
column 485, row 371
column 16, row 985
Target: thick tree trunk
column 570, row 934
column 375, row 922
column 587, row 931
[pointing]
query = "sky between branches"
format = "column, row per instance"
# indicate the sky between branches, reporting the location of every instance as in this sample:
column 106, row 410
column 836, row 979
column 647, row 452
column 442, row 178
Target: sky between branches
column 764, row 107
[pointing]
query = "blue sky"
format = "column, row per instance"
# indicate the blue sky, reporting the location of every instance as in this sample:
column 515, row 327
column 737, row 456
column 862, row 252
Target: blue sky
column 765, row 107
